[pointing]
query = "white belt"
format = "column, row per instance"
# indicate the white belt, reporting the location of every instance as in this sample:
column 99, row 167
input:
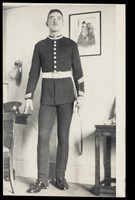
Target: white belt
column 56, row 75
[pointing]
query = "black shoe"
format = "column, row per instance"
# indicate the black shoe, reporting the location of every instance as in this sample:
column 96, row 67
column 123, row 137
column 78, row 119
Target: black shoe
column 37, row 187
column 61, row 184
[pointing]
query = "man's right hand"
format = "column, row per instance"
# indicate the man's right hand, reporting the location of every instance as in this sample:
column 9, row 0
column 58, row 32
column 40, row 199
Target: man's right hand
column 28, row 105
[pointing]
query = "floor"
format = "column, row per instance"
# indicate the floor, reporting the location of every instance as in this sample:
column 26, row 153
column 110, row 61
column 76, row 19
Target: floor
column 75, row 189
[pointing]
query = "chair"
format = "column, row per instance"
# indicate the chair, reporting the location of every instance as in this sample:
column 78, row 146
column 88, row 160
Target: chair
column 8, row 154
column 12, row 116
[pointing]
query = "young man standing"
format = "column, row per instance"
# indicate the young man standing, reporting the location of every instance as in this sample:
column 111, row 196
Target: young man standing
column 58, row 59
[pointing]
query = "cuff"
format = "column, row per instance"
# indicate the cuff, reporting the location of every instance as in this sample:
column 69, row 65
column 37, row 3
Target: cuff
column 28, row 96
column 80, row 93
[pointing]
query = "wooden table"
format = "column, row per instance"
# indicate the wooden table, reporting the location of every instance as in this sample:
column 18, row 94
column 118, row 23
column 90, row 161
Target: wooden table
column 9, row 121
column 106, row 132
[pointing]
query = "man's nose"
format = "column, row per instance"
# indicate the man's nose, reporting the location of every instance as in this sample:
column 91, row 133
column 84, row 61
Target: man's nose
column 55, row 21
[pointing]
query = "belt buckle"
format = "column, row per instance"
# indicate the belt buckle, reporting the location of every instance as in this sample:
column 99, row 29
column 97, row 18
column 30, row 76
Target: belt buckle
column 54, row 75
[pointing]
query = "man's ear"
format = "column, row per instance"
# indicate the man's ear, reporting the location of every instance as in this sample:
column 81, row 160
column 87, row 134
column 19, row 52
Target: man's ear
column 46, row 24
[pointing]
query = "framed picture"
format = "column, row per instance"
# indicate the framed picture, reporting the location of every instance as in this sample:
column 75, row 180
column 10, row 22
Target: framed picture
column 85, row 30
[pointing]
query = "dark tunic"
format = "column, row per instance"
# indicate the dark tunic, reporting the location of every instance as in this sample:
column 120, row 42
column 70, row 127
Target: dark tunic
column 53, row 55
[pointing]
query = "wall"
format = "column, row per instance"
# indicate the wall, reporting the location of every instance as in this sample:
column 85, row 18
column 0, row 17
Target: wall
column 22, row 28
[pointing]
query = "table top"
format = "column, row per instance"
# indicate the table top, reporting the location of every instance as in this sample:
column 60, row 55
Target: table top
column 16, row 114
column 13, row 115
column 112, row 126
column 105, row 130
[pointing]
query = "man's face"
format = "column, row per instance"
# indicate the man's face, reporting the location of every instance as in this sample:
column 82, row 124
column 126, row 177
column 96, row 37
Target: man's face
column 55, row 22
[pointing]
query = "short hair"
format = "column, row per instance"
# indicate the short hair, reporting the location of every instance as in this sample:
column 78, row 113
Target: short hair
column 54, row 10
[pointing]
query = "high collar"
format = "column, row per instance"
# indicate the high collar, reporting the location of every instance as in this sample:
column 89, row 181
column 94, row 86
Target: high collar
column 55, row 38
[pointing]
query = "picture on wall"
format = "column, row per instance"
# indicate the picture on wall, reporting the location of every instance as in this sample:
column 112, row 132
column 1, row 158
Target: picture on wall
column 85, row 30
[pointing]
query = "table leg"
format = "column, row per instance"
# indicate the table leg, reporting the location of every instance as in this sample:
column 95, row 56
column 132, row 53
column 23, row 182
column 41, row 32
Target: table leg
column 107, row 160
column 97, row 165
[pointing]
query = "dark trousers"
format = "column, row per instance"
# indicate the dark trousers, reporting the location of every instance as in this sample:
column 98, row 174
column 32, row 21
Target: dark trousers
column 46, row 120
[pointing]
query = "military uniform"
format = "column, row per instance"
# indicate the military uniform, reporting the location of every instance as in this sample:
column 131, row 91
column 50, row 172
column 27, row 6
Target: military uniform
column 59, row 60
column 53, row 55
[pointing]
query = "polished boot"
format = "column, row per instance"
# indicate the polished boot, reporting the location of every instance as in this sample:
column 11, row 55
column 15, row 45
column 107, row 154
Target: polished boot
column 37, row 187
column 61, row 184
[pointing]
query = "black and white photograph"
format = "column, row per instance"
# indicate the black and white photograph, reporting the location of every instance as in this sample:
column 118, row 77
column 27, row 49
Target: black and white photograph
column 85, row 30
column 64, row 99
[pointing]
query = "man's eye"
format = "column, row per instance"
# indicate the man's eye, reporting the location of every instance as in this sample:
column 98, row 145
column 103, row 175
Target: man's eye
column 51, row 19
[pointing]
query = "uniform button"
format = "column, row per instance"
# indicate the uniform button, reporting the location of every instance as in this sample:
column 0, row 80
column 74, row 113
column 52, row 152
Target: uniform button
column 55, row 66
column 54, row 57
column 55, row 61
column 55, row 71
column 54, row 49
column 55, row 41
column 54, row 53
column 54, row 45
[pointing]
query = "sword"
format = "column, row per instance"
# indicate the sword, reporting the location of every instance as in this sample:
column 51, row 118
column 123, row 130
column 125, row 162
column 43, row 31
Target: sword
column 81, row 141
column 77, row 108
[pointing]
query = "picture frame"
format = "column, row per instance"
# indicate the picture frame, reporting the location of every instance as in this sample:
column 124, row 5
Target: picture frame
column 85, row 30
